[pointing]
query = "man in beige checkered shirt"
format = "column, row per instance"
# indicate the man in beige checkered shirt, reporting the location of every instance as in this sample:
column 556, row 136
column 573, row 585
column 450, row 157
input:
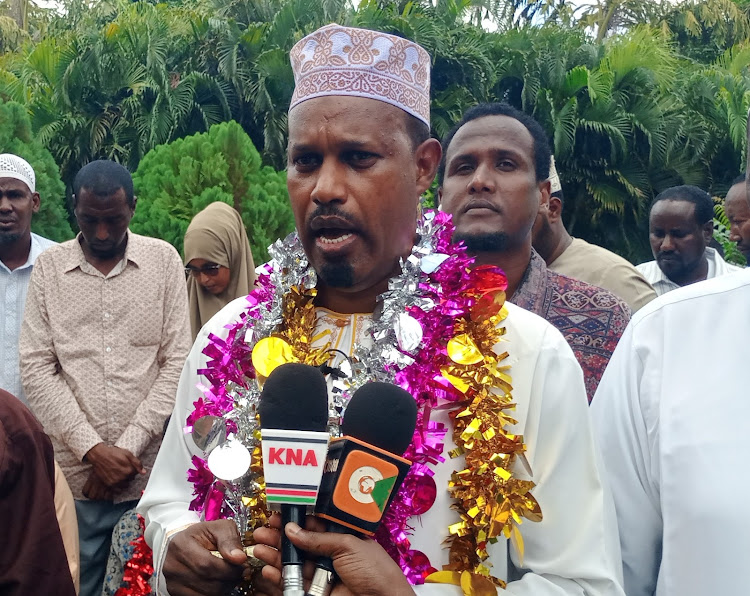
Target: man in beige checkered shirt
column 103, row 341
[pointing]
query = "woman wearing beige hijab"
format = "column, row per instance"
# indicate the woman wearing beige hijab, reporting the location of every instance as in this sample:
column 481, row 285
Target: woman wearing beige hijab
column 218, row 262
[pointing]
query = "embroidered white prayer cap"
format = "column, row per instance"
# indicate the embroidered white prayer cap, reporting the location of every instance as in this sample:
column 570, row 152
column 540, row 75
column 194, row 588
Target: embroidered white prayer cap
column 12, row 166
column 336, row 60
column 554, row 179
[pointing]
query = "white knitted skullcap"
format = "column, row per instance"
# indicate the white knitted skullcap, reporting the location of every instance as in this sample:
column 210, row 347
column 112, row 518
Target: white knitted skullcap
column 12, row 166
column 554, row 179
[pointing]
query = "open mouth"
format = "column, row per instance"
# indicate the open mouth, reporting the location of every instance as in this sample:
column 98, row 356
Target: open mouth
column 331, row 231
column 332, row 237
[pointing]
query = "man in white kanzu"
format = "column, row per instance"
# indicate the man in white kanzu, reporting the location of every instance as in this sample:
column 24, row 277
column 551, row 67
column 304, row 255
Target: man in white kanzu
column 360, row 156
column 671, row 414
column 681, row 227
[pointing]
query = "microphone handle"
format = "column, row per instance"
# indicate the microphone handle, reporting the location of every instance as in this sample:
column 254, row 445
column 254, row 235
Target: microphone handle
column 292, row 558
column 325, row 574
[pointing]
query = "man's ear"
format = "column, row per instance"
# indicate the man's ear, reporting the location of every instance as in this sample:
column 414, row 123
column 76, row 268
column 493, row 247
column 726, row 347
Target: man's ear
column 35, row 202
column 427, row 157
column 544, row 193
column 708, row 231
column 555, row 209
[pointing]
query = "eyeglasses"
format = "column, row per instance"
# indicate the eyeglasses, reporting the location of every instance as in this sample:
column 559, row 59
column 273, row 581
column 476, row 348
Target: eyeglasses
column 210, row 270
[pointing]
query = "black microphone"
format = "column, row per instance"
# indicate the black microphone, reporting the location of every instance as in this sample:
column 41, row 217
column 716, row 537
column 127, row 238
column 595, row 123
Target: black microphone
column 364, row 470
column 293, row 419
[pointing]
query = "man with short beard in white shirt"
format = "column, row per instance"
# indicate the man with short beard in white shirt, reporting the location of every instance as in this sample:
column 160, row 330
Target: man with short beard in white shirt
column 671, row 416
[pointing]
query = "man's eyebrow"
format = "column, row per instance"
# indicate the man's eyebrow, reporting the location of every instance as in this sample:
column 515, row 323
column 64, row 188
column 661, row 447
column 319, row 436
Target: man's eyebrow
column 300, row 147
column 345, row 144
column 355, row 144
column 461, row 157
column 468, row 155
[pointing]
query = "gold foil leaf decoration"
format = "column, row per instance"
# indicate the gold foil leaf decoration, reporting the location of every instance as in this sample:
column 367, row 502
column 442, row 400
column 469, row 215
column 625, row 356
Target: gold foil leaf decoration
column 473, row 584
column 269, row 353
column 444, row 577
column 463, row 350
column 457, row 382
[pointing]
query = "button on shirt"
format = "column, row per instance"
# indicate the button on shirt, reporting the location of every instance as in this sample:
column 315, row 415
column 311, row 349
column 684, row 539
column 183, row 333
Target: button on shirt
column 101, row 355
column 13, row 287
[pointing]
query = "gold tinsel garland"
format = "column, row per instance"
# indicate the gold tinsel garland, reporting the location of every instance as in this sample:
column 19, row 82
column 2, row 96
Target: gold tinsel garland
column 490, row 501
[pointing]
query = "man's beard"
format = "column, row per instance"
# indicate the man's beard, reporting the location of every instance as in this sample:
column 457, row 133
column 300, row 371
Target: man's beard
column 337, row 274
column 108, row 253
column 9, row 237
column 491, row 242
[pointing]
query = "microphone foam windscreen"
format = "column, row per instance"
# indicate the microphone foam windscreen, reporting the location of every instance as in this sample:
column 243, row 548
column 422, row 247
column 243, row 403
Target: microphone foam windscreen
column 294, row 397
column 382, row 415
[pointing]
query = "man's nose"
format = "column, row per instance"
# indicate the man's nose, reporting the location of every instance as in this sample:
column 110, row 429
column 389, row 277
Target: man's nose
column 330, row 183
column 5, row 206
column 734, row 233
column 102, row 232
column 482, row 180
column 667, row 243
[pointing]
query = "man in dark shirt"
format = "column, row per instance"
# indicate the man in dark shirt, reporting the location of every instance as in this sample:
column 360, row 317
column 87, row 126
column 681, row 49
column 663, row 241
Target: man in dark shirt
column 32, row 556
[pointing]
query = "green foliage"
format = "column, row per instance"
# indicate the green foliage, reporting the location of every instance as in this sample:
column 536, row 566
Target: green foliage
column 177, row 180
column 11, row 35
column 16, row 137
column 115, row 86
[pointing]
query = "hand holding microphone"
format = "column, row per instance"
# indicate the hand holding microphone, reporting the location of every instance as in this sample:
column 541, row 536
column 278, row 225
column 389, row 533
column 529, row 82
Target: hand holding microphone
column 293, row 418
column 364, row 470
column 360, row 476
column 362, row 566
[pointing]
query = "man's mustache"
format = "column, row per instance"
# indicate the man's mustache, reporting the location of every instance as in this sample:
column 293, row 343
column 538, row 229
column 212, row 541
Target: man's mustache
column 332, row 210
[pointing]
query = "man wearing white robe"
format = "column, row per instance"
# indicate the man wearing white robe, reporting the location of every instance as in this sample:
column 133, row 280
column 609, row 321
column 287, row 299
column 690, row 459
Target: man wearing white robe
column 574, row 549
column 671, row 415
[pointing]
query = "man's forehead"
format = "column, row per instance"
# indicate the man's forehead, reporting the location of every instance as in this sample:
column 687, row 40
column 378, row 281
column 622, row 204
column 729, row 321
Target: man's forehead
column 674, row 208
column 102, row 201
column 351, row 118
column 495, row 133
column 7, row 183
column 737, row 193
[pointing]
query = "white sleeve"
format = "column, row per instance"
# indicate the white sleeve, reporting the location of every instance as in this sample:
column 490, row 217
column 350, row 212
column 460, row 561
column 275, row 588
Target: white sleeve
column 164, row 504
column 574, row 550
column 165, row 501
column 626, row 423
